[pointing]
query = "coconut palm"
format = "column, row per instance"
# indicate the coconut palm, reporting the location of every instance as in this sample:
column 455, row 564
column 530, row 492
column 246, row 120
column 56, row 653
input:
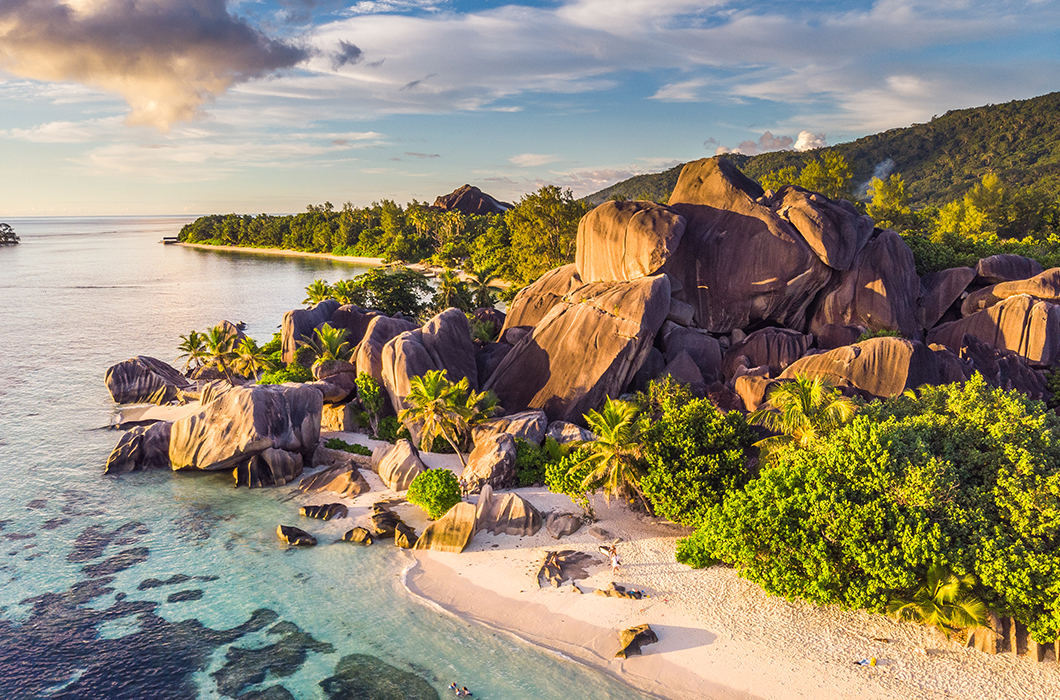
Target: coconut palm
column 220, row 348
column 802, row 411
column 614, row 458
column 193, row 350
column 481, row 405
column 481, row 290
column 451, row 291
column 344, row 291
column 250, row 360
column 438, row 407
column 945, row 602
column 330, row 344
column 317, row 291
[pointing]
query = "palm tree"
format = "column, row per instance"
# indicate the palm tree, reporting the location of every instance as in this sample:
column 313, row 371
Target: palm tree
column 330, row 344
column 614, row 458
column 945, row 602
column 802, row 411
column 250, row 359
column 317, row 291
column 481, row 289
column 220, row 343
column 451, row 291
column 193, row 350
column 439, row 407
column 343, row 291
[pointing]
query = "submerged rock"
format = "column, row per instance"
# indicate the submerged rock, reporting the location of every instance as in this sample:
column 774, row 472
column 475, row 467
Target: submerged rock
column 358, row 535
column 325, row 511
column 362, row 677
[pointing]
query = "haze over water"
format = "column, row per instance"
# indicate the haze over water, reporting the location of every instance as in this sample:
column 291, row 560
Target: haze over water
column 148, row 585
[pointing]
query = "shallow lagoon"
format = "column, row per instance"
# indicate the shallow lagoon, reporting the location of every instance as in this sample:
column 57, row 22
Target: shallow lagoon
column 164, row 586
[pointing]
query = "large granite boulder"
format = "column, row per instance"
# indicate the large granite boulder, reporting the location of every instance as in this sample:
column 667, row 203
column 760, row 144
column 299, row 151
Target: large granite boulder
column 938, row 292
column 564, row 432
column 622, row 241
column 452, row 532
column 535, row 300
column 683, row 370
column 1005, row 268
column 561, row 525
column 491, row 462
column 400, row 466
column 471, row 200
column 1044, row 286
column 739, row 262
column 295, row 536
column 704, row 350
column 140, row 449
column 752, row 390
column 878, row 367
column 775, row 348
column 586, row 348
column 144, row 379
column 354, row 320
column 1026, row 326
column 488, row 358
column 263, row 433
column 507, row 514
column 833, row 229
column 879, row 292
column 381, row 330
column 527, row 425
column 298, row 325
column 1002, row 368
column 342, row 480
column 444, row 343
column 632, row 639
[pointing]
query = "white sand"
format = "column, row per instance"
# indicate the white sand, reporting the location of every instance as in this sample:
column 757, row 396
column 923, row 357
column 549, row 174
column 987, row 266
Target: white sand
column 350, row 259
column 719, row 636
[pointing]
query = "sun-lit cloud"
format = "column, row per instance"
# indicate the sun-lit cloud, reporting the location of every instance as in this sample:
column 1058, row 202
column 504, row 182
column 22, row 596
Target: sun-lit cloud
column 529, row 160
column 165, row 57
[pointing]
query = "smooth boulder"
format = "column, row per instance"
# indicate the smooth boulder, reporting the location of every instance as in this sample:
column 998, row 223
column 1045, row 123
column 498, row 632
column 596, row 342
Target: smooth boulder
column 381, row 330
column 586, row 348
column 534, row 301
column 144, row 379
column 938, row 292
column 140, row 449
column 296, row 537
column 325, row 511
column 400, row 466
column 622, row 241
column 506, row 514
column 1044, row 286
column 342, row 480
column 739, row 262
column 561, row 525
column 444, row 343
column 879, row 292
column 358, row 535
column 526, row 425
column 631, row 640
column 704, row 350
column 1005, row 268
column 564, row 432
column 298, row 325
column 775, row 348
column 452, row 532
column 492, row 462
column 833, row 228
column 878, row 367
column 262, row 432
column 1026, row 326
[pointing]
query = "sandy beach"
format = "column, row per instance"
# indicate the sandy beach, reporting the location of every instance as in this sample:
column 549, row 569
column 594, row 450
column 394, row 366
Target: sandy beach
column 348, row 259
column 720, row 636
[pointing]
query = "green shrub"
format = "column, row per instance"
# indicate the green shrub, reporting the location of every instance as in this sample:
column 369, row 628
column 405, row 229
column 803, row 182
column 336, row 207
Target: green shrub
column 372, row 398
column 293, row 372
column 305, row 355
column 436, row 491
column 695, row 551
column 337, row 444
column 566, row 477
column 273, row 346
column 391, row 430
column 869, row 335
column 695, row 455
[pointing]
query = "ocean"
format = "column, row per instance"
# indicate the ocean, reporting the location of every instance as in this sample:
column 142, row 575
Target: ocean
column 166, row 585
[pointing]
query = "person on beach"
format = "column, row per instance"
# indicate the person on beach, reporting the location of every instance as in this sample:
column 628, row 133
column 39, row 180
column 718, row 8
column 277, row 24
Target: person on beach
column 467, row 693
column 454, row 688
column 614, row 560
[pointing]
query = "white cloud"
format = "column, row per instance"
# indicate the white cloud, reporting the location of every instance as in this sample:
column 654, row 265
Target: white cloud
column 808, row 141
column 530, row 160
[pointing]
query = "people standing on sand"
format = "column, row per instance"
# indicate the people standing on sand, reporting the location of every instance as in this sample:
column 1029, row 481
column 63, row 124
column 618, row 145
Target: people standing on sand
column 467, row 693
column 614, row 559
column 453, row 687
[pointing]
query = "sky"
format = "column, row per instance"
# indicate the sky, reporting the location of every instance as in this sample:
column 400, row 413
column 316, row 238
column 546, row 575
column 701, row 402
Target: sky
column 114, row 107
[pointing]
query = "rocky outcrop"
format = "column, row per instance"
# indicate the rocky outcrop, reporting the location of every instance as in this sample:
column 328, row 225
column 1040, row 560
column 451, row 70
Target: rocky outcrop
column 683, row 370
column 752, row 390
column 400, row 466
column 444, row 343
column 298, row 325
column 325, row 511
column 452, row 532
column 739, row 262
column 632, row 639
column 938, row 292
column 833, row 229
column 354, row 320
column 489, row 358
column 381, row 330
column 879, row 292
column 1005, row 268
column 534, row 301
column 342, row 480
column 296, row 537
column 562, row 524
column 623, row 241
column 1002, row 368
column 140, row 449
column 144, row 379
column 1044, row 287
column 492, row 462
column 879, row 367
column 358, row 535
column 775, row 348
column 831, row 336
column 471, row 200
column 587, row 347
column 507, row 514
column 564, row 432
column 404, row 536
column 701, row 348
column 1022, row 324
column 263, row 433
column 339, row 418
column 527, row 425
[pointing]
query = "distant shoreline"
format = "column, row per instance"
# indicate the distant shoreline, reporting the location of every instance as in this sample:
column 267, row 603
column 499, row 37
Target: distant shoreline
column 348, row 259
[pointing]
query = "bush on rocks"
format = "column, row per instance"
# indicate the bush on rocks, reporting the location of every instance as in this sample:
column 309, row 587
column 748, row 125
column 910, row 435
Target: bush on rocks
column 436, row 491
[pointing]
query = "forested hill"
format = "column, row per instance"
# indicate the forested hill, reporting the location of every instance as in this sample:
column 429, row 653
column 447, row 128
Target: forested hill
column 940, row 160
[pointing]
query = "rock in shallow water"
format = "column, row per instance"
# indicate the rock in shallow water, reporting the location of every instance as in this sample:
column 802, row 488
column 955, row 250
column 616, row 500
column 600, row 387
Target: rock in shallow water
column 144, row 379
column 358, row 535
column 362, row 677
column 325, row 511
column 294, row 536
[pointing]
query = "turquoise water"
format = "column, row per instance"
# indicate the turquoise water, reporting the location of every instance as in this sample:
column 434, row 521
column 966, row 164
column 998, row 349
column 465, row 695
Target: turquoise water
column 159, row 585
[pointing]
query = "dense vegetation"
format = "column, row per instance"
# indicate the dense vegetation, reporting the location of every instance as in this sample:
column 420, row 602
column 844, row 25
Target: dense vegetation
column 435, row 490
column 534, row 236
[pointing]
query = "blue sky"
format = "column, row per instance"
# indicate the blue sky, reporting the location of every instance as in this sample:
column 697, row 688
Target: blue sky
column 199, row 106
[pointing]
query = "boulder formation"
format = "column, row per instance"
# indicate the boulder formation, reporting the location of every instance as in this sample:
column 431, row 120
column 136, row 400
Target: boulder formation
column 775, row 348
column 452, row 532
column 1044, row 287
column 298, row 325
column 1026, row 326
column 381, row 330
column 878, row 367
column 144, row 379
column 623, row 241
column 534, row 301
column 492, row 463
column 833, row 229
column 400, row 466
column 527, row 425
column 296, row 537
column 939, row 291
column 1005, row 268
column 341, row 480
column 140, row 449
column 263, row 433
column 444, row 343
column 507, row 514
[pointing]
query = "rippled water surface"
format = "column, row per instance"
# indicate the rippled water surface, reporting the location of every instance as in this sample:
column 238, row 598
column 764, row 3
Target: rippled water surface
column 160, row 585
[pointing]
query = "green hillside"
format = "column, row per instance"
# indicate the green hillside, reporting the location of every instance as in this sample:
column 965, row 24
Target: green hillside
column 939, row 160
